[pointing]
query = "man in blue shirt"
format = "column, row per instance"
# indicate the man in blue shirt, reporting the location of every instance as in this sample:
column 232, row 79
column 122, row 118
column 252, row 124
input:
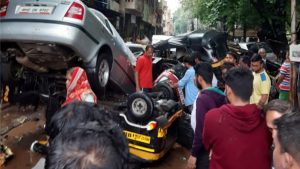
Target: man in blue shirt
column 187, row 82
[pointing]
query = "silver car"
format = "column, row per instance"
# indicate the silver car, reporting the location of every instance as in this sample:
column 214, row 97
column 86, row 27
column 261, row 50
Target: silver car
column 53, row 35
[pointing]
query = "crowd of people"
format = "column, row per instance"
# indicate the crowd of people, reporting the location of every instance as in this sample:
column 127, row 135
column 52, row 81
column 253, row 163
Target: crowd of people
column 234, row 124
column 233, row 121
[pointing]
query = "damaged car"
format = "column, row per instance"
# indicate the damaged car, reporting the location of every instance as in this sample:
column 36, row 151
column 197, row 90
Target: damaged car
column 47, row 37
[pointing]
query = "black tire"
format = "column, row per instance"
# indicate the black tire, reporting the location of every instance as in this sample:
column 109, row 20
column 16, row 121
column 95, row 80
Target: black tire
column 185, row 134
column 140, row 107
column 102, row 73
column 166, row 89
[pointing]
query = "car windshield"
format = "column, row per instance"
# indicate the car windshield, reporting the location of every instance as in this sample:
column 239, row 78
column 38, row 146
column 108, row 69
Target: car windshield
column 136, row 49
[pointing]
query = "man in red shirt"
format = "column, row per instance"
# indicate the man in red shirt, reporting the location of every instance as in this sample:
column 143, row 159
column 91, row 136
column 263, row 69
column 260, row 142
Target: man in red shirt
column 143, row 71
column 236, row 133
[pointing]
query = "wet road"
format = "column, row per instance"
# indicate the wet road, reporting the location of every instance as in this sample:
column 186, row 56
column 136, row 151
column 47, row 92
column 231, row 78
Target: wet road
column 19, row 129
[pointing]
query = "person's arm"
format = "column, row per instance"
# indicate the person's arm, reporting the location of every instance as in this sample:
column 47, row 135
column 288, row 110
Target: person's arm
column 265, row 90
column 137, row 85
column 182, row 82
column 208, row 133
column 203, row 105
column 282, row 74
column 263, row 99
column 279, row 80
column 138, row 68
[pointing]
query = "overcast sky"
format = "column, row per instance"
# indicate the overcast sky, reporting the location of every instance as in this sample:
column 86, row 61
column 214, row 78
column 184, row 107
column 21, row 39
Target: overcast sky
column 173, row 5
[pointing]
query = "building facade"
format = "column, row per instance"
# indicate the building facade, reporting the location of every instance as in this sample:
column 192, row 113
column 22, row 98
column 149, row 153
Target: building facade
column 133, row 19
column 167, row 19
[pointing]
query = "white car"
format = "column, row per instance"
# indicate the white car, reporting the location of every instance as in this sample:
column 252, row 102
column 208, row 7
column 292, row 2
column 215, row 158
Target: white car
column 50, row 36
column 248, row 45
column 136, row 49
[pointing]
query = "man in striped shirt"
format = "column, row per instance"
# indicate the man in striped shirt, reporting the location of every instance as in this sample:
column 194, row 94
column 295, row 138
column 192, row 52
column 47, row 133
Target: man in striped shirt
column 283, row 81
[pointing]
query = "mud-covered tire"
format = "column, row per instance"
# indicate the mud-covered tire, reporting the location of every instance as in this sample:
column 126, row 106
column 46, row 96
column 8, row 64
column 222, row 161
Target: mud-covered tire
column 140, row 107
column 185, row 132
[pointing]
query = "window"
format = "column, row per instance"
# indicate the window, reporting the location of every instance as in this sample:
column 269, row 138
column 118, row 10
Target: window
column 108, row 26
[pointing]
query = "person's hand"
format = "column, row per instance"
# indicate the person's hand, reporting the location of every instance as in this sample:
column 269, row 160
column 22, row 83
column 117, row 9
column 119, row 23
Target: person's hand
column 191, row 164
column 260, row 106
column 277, row 87
column 171, row 84
column 137, row 89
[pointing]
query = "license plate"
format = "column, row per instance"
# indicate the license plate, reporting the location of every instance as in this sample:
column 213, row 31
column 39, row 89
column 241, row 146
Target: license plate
column 137, row 137
column 44, row 10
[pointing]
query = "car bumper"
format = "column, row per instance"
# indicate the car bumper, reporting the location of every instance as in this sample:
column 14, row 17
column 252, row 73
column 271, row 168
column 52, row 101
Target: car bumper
column 44, row 31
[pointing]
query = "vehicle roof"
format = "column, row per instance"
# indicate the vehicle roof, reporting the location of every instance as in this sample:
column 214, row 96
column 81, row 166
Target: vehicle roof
column 130, row 44
column 158, row 38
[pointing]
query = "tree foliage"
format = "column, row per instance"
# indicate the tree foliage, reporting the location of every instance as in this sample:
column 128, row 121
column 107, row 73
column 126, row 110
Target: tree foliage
column 270, row 17
column 180, row 20
column 229, row 12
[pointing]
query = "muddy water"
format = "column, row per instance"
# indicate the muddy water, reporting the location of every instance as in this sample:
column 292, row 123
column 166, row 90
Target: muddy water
column 175, row 159
column 19, row 140
column 19, row 128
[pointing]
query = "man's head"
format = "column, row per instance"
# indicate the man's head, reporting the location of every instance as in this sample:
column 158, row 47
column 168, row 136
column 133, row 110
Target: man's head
column 286, row 154
column 197, row 57
column 149, row 50
column 89, row 145
column 239, row 84
column 74, row 113
column 230, row 57
column 262, row 53
column 225, row 68
column 274, row 110
column 245, row 62
column 188, row 61
column 204, row 75
column 257, row 64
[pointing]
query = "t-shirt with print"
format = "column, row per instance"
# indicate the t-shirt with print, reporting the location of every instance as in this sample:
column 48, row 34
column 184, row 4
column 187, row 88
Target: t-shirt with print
column 261, row 85
column 284, row 71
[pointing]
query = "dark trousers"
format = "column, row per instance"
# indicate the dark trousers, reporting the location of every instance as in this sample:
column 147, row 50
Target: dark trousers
column 146, row 90
column 202, row 161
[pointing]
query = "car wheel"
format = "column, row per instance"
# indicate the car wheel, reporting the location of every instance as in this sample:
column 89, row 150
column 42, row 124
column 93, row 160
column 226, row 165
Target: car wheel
column 166, row 89
column 102, row 73
column 140, row 107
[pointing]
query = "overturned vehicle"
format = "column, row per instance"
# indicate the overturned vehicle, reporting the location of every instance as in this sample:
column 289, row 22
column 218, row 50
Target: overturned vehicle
column 40, row 40
column 211, row 46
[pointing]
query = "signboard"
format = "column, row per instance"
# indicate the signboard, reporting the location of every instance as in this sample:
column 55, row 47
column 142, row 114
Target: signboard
column 295, row 53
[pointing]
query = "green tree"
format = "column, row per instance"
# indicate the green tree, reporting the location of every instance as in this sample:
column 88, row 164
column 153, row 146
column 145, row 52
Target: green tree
column 270, row 16
column 180, row 20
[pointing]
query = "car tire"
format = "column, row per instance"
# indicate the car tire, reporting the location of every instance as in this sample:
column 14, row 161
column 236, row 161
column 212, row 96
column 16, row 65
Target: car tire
column 185, row 132
column 140, row 107
column 166, row 89
column 102, row 73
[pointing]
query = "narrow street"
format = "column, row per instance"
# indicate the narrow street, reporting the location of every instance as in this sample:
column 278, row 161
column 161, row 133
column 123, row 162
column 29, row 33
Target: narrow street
column 19, row 129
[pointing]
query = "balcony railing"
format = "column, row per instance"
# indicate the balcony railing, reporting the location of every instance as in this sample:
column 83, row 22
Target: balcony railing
column 134, row 5
column 103, row 4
